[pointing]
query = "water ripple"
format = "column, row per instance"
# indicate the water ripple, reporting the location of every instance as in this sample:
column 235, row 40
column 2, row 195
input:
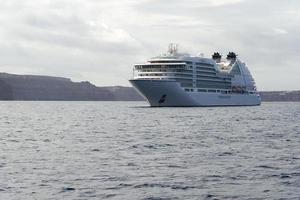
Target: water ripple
column 126, row 150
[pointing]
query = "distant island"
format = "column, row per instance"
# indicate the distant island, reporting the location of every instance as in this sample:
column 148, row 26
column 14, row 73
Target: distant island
column 47, row 88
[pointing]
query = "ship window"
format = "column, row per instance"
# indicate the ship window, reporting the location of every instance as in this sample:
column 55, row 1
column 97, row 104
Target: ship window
column 212, row 91
column 187, row 90
column 223, row 92
column 192, row 90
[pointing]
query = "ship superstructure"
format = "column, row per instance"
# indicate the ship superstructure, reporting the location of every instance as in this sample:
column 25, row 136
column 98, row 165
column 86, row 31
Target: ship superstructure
column 176, row 79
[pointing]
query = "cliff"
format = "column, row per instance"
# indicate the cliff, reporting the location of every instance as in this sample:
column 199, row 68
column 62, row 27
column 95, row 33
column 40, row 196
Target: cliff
column 47, row 88
column 29, row 87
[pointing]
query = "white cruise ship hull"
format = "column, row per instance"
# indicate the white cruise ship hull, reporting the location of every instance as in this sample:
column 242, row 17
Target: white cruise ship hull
column 168, row 93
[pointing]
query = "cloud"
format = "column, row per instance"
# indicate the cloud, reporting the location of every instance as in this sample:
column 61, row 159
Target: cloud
column 100, row 40
column 278, row 31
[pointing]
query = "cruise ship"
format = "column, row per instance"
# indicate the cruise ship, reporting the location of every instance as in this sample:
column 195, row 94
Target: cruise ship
column 179, row 79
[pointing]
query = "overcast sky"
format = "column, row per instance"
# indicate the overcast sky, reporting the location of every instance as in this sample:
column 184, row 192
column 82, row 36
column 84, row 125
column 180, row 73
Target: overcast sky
column 100, row 40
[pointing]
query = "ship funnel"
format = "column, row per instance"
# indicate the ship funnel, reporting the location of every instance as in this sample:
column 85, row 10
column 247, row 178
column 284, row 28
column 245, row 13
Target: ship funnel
column 217, row 56
column 231, row 56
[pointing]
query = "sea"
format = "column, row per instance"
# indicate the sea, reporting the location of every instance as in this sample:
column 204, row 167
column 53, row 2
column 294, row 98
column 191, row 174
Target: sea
column 128, row 150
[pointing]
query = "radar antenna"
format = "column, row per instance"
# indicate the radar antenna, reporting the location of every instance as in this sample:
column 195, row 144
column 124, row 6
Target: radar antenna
column 173, row 48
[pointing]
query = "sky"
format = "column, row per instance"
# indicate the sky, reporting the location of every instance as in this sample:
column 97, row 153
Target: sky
column 100, row 40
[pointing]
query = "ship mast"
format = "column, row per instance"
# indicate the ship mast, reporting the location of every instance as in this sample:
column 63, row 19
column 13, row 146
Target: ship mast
column 173, row 49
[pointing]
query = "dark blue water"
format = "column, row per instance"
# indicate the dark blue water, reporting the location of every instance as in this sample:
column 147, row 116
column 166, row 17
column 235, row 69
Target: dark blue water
column 124, row 150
